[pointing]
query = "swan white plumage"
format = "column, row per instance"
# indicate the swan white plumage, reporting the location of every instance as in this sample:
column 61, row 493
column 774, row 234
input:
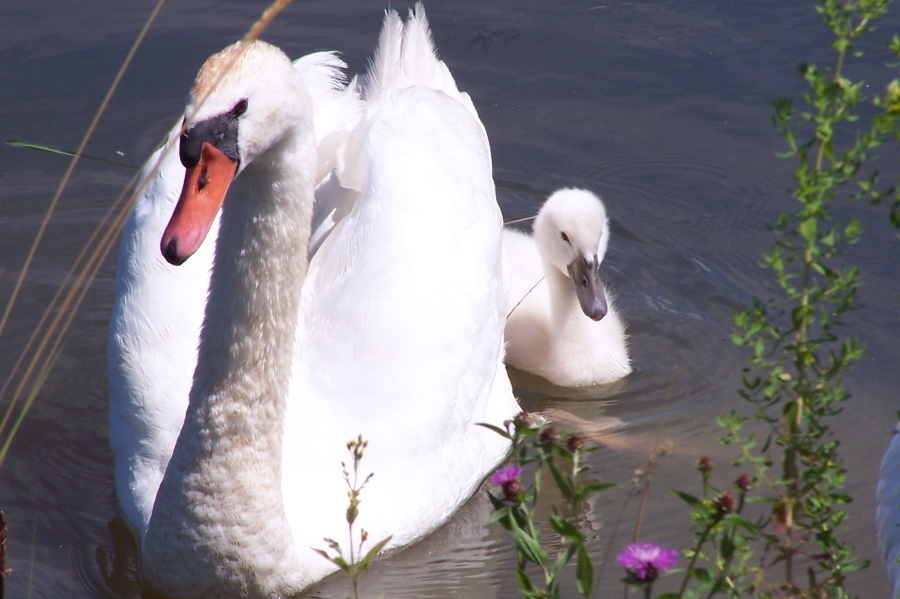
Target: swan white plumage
column 155, row 325
column 397, row 340
column 887, row 514
column 561, row 325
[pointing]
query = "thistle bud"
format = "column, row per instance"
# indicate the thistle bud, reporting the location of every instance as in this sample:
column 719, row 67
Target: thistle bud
column 575, row 443
column 549, row 436
column 724, row 503
column 744, row 482
column 508, row 478
column 513, row 490
column 705, row 464
column 523, row 420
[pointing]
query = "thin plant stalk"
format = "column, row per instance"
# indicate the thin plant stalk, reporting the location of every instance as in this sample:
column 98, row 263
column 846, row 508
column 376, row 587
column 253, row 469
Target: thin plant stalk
column 68, row 174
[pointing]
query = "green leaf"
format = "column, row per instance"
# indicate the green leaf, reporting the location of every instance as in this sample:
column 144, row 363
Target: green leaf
column 496, row 429
column 336, row 560
column 565, row 528
column 740, row 522
column 525, row 583
column 42, row 148
column 808, row 230
column 584, row 572
column 528, row 547
column 562, row 559
column 562, row 481
column 501, row 517
column 690, row 499
column 497, row 503
column 588, row 490
column 701, row 574
column 726, row 547
column 370, row 555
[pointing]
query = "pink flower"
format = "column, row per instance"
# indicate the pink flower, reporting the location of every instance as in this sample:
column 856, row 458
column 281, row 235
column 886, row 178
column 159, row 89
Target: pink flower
column 506, row 475
column 646, row 561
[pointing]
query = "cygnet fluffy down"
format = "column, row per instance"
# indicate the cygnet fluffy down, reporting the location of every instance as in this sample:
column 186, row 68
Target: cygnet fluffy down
column 561, row 324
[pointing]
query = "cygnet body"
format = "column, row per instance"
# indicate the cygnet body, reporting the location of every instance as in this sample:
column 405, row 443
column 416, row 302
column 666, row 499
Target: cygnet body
column 561, row 325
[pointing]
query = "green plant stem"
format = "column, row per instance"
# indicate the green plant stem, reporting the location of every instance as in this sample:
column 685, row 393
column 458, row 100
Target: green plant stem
column 696, row 552
column 724, row 575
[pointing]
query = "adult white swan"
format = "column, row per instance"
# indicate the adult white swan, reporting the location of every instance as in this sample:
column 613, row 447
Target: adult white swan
column 401, row 321
column 888, row 512
column 561, row 325
column 155, row 324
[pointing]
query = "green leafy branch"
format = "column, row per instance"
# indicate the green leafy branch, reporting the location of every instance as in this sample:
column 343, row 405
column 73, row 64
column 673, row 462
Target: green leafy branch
column 540, row 447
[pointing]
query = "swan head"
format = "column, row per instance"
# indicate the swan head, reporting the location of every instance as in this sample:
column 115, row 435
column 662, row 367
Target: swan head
column 572, row 232
column 244, row 101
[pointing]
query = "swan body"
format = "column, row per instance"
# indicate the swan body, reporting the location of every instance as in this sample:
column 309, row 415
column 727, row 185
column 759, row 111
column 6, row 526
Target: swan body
column 155, row 325
column 561, row 325
column 887, row 514
column 386, row 336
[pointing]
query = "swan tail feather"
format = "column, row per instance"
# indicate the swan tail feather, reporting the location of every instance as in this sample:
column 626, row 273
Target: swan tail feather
column 422, row 65
column 385, row 64
column 406, row 56
column 418, row 57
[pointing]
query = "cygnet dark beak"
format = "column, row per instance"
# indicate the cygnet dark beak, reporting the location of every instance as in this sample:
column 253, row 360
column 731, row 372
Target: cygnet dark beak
column 585, row 274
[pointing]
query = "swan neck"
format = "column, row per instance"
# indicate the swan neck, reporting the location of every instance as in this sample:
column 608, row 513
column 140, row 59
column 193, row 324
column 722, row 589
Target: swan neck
column 219, row 520
column 247, row 340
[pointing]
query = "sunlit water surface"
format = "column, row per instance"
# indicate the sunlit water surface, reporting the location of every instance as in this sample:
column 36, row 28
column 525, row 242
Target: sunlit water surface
column 661, row 107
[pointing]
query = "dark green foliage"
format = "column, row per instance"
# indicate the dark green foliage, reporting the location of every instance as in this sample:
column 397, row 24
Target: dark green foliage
column 541, row 447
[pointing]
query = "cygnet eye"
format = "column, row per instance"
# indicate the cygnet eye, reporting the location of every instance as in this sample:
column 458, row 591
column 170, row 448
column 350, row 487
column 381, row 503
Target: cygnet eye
column 565, row 237
column 239, row 108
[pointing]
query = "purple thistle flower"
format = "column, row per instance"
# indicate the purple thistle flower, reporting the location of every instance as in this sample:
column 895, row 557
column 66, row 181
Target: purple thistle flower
column 646, row 561
column 506, row 475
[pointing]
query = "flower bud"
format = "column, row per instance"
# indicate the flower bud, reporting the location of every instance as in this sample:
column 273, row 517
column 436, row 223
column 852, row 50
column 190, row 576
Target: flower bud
column 744, row 482
column 513, row 490
column 549, row 436
column 575, row 443
column 523, row 420
column 724, row 503
column 705, row 464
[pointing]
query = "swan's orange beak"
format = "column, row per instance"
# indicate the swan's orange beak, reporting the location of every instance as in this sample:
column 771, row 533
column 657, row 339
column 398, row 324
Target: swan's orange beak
column 205, row 186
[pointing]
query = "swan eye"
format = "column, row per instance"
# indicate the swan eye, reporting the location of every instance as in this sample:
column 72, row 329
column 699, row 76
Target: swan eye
column 239, row 108
column 565, row 237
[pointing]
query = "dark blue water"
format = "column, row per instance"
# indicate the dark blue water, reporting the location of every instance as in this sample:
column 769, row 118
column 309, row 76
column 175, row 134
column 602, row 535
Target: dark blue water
column 662, row 108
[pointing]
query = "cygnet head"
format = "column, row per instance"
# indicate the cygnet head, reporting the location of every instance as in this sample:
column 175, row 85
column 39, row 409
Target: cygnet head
column 572, row 232
column 243, row 102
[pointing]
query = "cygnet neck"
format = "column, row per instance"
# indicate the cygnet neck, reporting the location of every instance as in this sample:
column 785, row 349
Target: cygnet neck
column 563, row 300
